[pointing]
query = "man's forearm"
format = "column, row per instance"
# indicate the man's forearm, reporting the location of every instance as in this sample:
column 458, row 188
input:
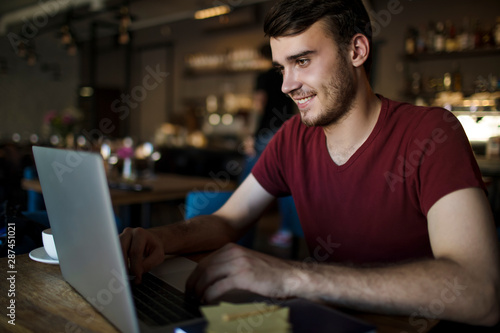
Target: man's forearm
column 431, row 288
column 201, row 233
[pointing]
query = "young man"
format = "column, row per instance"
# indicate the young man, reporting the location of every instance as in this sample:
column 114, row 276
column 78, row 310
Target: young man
column 388, row 194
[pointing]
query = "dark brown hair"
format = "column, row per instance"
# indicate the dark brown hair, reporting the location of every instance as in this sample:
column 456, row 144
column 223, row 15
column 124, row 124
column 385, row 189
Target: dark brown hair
column 343, row 19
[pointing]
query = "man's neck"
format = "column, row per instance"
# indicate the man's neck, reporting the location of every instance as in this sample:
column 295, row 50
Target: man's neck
column 346, row 136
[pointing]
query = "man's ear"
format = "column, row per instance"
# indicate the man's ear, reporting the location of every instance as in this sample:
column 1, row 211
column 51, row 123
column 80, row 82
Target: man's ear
column 360, row 49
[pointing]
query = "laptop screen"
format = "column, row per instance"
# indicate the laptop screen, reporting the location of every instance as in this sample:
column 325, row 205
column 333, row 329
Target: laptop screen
column 81, row 216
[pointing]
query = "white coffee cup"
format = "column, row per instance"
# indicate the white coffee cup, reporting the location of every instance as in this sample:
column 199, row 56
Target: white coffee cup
column 48, row 243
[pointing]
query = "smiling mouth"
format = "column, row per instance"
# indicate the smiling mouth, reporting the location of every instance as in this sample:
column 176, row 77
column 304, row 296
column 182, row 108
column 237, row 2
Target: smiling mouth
column 303, row 101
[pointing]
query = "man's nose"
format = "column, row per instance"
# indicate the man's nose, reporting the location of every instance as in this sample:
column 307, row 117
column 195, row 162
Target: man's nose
column 290, row 82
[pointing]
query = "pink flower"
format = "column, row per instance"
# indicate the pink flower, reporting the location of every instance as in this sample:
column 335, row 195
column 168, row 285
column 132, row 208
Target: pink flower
column 125, row 152
column 67, row 119
column 49, row 116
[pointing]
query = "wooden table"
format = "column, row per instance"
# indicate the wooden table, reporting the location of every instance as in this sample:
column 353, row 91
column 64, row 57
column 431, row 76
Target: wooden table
column 163, row 187
column 44, row 302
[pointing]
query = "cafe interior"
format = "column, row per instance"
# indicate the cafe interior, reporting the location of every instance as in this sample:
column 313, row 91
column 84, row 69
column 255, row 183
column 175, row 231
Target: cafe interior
column 163, row 87
column 164, row 91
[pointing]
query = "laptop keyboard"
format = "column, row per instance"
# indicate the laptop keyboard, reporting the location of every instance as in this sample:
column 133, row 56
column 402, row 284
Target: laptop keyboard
column 157, row 303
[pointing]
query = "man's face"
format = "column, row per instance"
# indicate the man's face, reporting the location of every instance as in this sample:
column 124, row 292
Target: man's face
column 315, row 75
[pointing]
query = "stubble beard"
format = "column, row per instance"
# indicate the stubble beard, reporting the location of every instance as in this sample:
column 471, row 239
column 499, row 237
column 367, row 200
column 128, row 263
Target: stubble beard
column 339, row 92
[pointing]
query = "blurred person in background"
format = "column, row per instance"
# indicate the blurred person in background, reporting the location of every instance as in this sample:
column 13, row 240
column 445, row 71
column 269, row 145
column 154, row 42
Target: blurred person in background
column 273, row 108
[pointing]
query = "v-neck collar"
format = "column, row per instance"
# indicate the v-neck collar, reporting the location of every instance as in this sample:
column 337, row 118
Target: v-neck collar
column 378, row 126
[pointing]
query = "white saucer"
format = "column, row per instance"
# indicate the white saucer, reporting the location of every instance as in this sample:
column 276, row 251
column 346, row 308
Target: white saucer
column 41, row 255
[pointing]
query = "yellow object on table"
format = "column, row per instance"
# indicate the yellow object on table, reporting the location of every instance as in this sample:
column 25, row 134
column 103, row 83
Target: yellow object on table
column 247, row 317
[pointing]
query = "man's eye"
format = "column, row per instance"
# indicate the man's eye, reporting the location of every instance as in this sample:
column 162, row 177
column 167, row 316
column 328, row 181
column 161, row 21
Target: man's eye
column 302, row 62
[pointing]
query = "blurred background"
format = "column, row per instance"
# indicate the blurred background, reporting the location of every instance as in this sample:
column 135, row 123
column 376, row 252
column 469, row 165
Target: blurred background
column 172, row 82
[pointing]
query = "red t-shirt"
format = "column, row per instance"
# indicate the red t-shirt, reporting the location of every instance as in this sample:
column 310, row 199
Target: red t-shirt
column 373, row 208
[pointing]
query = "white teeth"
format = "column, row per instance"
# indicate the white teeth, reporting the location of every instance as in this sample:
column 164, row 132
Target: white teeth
column 303, row 100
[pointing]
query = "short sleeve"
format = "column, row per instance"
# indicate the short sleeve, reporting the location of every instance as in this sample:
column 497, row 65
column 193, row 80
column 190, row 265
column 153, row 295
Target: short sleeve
column 442, row 158
column 269, row 169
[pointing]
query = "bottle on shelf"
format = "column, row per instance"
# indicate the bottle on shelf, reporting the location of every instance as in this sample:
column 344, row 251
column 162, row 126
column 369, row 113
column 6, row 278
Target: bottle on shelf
column 457, row 78
column 447, row 81
column 439, row 37
column 416, row 84
column 493, row 82
column 451, row 44
column 496, row 32
column 410, row 41
column 421, row 40
column 429, row 42
column 477, row 34
column 465, row 36
column 447, row 36
column 487, row 37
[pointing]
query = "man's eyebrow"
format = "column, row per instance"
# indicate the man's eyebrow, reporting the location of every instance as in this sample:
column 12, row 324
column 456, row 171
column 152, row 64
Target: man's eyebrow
column 294, row 57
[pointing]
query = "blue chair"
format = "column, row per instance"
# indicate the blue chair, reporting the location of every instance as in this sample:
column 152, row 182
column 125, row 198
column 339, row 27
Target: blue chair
column 291, row 221
column 34, row 199
column 205, row 203
column 289, row 215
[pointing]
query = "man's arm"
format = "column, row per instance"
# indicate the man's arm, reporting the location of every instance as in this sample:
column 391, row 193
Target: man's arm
column 460, row 284
column 146, row 248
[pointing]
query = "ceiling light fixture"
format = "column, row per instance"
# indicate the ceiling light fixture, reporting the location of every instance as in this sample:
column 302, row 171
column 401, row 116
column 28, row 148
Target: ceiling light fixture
column 66, row 37
column 71, row 49
column 211, row 12
column 123, row 26
column 125, row 19
column 31, row 58
column 21, row 50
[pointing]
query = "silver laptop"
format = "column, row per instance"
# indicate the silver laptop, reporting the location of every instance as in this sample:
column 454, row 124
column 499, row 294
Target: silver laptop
column 79, row 208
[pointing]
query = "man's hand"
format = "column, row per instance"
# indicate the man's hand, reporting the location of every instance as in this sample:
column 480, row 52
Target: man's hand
column 142, row 250
column 235, row 267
